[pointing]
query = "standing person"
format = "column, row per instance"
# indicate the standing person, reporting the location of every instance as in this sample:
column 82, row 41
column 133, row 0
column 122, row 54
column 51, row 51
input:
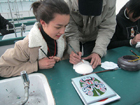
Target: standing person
column 3, row 24
column 47, row 33
column 91, row 26
column 128, row 25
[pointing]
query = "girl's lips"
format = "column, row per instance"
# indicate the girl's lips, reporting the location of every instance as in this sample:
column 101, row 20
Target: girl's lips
column 58, row 36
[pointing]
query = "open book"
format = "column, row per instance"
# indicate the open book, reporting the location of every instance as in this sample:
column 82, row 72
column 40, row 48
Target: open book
column 93, row 90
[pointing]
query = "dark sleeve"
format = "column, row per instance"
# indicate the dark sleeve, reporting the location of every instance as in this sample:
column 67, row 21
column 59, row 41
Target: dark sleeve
column 3, row 23
column 116, row 41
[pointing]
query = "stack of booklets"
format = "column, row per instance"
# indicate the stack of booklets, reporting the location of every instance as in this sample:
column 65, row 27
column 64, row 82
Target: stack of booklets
column 93, row 90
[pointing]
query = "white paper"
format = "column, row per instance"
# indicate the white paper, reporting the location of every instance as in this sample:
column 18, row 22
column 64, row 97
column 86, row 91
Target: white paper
column 109, row 65
column 137, row 45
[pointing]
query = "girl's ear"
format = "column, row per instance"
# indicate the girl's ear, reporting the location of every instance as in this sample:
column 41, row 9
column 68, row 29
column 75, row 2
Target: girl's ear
column 42, row 22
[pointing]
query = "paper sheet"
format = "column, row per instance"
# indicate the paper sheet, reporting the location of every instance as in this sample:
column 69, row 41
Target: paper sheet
column 109, row 65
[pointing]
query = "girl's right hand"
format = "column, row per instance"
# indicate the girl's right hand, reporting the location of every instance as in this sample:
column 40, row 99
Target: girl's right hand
column 46, row 63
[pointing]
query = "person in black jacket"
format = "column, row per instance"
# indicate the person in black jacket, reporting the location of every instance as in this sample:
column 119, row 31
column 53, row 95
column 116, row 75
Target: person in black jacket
column 3, row 23
column 128, row 25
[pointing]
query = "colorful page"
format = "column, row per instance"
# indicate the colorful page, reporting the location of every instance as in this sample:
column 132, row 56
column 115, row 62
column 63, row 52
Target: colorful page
column 92, row 88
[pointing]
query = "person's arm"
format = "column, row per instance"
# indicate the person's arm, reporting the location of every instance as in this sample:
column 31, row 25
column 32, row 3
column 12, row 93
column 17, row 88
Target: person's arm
column 106, row 30
column 72, row 32
column 115, row 44
column 116, row 41
column 72, row 36
column 17, row 59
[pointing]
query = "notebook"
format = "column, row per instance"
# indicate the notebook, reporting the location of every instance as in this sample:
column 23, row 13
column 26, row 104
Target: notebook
column 93, row 90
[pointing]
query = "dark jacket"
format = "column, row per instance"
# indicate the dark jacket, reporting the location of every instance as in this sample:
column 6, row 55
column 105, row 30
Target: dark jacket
column 124, row 30
column 3, row 23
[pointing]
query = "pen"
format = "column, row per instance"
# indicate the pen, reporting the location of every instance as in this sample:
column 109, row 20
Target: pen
column 74, row 51
column 134, row 53
column 103, row 71
column 44, row 52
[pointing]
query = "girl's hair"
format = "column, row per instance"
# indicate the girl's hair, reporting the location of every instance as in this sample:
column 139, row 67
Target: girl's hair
column 134, row 6
column 47, row 9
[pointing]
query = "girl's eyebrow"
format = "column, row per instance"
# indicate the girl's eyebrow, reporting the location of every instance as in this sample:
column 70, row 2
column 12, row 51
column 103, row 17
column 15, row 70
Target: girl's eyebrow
column 59, row 24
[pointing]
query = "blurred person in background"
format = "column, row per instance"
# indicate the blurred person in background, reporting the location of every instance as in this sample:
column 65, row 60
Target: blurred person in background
column 3, row 23
column 128, row 25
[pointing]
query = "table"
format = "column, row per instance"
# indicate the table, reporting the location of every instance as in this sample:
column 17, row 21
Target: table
column 125, row 83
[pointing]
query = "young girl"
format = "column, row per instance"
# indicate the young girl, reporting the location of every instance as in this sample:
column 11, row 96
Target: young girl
column 47, row 34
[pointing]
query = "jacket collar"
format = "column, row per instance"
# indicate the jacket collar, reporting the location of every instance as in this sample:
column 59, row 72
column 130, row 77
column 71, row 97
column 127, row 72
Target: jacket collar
column 36, row 40
column 35, row 37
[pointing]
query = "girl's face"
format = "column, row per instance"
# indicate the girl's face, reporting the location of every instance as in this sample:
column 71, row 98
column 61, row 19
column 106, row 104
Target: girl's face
column 56, row 27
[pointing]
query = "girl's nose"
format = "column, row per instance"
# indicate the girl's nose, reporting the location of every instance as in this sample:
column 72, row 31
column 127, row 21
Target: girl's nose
column 62, row 31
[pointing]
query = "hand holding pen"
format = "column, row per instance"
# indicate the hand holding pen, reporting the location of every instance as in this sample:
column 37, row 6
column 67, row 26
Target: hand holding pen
column 47, row 62
column 54, row 57
column 75, row 57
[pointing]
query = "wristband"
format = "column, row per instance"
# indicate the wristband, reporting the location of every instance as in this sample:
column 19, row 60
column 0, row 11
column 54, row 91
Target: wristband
column 130, row 42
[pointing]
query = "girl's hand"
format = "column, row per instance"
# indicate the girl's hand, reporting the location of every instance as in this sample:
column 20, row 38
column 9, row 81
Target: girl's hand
column 46, row 63
column 57, row 59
